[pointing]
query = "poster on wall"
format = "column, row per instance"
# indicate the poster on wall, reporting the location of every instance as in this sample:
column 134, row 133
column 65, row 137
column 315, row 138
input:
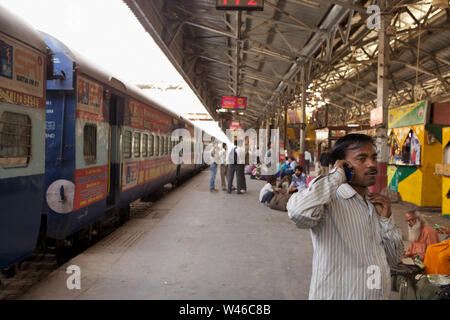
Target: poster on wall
column 405, row 147
column 22, row 74
column 89, row 100
column 408, row 115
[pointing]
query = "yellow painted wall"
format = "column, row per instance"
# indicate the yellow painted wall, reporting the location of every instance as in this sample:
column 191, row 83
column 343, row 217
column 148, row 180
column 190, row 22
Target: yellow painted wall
column 445, row 180
column 432, row 184
column 410, row 189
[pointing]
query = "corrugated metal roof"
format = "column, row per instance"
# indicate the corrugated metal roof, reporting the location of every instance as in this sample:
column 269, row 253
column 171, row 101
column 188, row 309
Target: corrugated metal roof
column 261, row 54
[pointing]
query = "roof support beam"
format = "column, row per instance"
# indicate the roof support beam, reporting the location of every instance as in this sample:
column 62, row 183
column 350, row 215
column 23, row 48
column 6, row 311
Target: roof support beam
column 301, row 23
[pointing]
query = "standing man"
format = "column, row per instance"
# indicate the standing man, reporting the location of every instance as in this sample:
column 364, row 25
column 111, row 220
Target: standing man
column 353, row 232
column 234, row 168
column 213, row 168
column 242, row 184
column 325, row 161
column 308, row 161
column 224, row 167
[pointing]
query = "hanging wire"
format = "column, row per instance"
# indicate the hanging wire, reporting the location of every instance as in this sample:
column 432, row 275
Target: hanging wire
column 417, row 64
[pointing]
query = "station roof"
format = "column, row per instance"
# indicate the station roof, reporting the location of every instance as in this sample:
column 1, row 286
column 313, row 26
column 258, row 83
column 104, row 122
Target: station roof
column 263, row 55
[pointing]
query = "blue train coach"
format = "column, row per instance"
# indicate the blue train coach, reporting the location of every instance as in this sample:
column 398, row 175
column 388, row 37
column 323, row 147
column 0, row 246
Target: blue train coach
column 107, row 145
column 23, row 65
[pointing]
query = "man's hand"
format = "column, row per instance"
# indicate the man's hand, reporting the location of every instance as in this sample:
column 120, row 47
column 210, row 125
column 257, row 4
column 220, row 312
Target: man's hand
column 341, row 163
column 381, row 203
column 444, row 230
column 408, row 255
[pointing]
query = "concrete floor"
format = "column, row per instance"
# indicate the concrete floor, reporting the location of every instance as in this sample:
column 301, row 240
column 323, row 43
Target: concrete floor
column 193, row 244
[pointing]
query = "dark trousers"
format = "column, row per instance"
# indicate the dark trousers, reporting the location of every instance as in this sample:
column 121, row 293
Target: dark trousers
column 241, row 172
column 267, row 197
column 232, row 170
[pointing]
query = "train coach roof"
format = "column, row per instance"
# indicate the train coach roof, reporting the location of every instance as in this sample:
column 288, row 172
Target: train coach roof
column 19, row 29
column 93, row 71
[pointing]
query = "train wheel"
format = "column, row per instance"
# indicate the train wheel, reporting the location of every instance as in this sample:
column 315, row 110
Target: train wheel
column 124, row 215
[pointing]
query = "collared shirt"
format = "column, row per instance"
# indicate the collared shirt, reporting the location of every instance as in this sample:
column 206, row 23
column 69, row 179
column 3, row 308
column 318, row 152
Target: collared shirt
column 427, row 237
column 353, row 245
column 223, row 156
column 293, row 165
column 307, row 156
column 240, row 156
column 299, row 182
column 267, row 187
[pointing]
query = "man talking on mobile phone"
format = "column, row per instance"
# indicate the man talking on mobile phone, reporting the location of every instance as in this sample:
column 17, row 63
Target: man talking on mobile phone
column 353, row 232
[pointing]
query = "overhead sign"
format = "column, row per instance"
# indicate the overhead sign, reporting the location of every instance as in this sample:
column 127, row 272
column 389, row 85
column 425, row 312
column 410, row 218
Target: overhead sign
column 411, row 114
column 376, row 116
column 234, row 102
column 240, row 4
column 235, row 126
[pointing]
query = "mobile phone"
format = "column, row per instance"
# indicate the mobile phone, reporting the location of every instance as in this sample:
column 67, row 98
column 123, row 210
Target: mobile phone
column 348, row 173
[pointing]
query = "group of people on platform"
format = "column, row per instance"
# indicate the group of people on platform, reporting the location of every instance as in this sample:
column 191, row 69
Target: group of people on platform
column 230, row 167
column 356, row 240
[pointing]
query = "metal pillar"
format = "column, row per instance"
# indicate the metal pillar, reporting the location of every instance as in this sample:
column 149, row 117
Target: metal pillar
column 285, row 126
column 382, row 96
column 303, row 127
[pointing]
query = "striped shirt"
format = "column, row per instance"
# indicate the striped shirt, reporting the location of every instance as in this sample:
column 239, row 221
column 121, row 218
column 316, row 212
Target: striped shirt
column 353, row 245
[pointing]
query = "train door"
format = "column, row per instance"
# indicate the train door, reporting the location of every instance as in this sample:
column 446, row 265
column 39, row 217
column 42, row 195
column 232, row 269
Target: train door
column 116, row 104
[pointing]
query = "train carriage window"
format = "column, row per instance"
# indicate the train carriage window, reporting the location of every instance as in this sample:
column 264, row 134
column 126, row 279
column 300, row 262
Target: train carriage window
column 151, row 145
column 137, row 145
column 126, row 144
column 161, row 153
column 167, row 146
column 157, row 146
column 90, row 143
column 145, row 145
column 15, row 139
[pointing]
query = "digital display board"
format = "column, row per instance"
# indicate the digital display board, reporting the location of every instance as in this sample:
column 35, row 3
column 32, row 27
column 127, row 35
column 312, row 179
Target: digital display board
column 240, row 4
column 229, row 102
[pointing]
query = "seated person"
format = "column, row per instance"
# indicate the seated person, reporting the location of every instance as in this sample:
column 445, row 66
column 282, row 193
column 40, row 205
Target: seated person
column 437, row 258
column 286, row 169
column 298, row 180
column 284, row 184
column 267, row 192
column 420, row 236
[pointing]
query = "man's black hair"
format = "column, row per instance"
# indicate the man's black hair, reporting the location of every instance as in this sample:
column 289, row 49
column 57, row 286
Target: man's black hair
column 224, row 145
column 299, row 168
column 272, row 179
column 356, row 140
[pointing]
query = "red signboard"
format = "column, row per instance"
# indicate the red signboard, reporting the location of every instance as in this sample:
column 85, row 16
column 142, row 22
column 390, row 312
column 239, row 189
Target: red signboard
column 91, row 186
column 376, row 116
column 234, row 102
column 240, row 4
column 235, row 126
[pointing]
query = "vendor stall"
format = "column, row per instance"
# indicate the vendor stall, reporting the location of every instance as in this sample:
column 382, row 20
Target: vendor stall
column 415, row 148
column 443, row 169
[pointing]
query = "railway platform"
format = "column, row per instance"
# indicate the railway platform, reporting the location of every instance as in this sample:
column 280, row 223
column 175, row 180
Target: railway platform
column 196, row 245
column 193, row 244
